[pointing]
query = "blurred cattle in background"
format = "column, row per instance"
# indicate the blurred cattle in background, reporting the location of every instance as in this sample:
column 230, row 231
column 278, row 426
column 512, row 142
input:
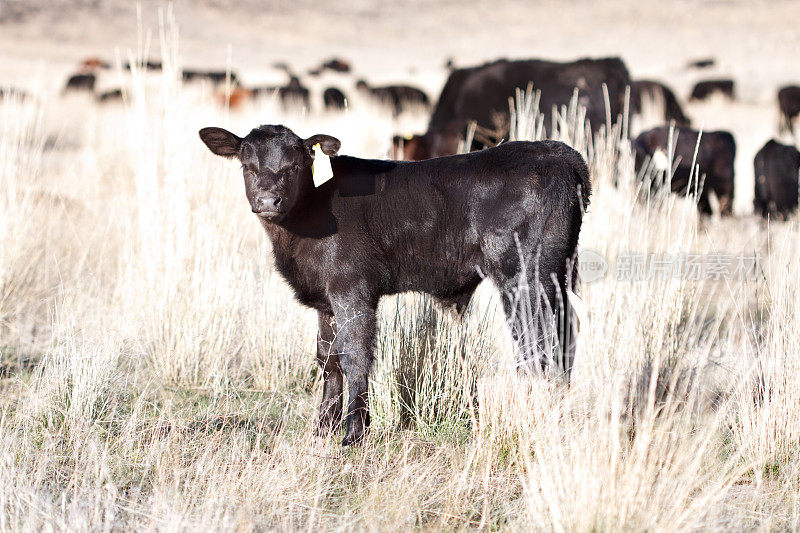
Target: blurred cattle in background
column 112, row 95
column 334, row 99
column 657, row 92
column 148, row 64
column 789, row 105
column 398, row 97
column 283, row 66
column 703, row 63
column 776, row 168
column 706, row 88
column 334, row 64
column 94, row 63
column 216, row 77
column 715, row 157
column 481, row 94
column 293, row 94
column 290, row 95
column 13, row 92
column 234, row 99
column 81, row 82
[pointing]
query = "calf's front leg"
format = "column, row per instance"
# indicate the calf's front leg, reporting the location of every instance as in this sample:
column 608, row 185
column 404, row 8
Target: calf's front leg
column 355, row 343
column 330, row 408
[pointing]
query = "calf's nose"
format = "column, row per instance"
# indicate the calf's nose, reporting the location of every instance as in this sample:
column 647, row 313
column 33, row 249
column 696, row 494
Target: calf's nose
column 266, row 203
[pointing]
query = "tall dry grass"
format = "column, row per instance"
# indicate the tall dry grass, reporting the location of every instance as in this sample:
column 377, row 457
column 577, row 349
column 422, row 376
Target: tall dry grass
column 156, row 373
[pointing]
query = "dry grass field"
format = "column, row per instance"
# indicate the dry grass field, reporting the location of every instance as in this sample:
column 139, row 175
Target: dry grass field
column 156, row 373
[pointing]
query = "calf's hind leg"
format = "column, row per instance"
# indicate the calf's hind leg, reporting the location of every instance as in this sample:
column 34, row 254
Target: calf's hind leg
column 536, row 308
column 330, row 408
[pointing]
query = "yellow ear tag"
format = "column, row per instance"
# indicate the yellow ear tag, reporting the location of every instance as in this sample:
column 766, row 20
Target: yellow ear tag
column 321, row 167
column 660, row 160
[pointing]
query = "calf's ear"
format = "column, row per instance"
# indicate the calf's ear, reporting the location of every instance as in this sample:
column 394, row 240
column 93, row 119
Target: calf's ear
column 329, row 145
column 221, row 142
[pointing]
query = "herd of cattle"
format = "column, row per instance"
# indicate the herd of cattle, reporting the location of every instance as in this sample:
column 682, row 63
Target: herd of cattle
column 230, row 91
column 480, row 95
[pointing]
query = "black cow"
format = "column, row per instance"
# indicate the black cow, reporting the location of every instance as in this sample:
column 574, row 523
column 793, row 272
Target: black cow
column 704, row 89
column 291, row 94
column 216, row 77
column 653, row 89
column 384, row 227
column 789, row 105
column 149, row 65
column 482, row 93
column 81, row 82
column 706, row 62
column 284, row 66
column 715, row 158
column 399, row 97
column 334, row 64
column 113, row 95
column 776, row 168
column 334, row 99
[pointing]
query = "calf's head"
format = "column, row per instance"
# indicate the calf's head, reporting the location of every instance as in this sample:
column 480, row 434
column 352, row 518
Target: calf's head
column 276, row 164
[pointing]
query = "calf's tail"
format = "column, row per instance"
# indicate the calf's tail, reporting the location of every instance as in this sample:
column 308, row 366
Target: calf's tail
column 558, row 250
column 568, row 328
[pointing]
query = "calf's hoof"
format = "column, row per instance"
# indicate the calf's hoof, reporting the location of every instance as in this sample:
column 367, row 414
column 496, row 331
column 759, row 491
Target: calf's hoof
column 357, row 428
column 329, row 425
column 354, row 437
